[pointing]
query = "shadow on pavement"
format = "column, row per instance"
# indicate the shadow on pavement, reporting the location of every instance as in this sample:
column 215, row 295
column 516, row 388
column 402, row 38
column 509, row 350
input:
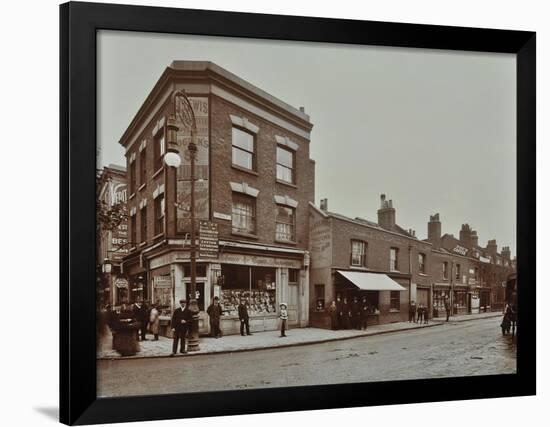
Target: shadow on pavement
column 51, row 412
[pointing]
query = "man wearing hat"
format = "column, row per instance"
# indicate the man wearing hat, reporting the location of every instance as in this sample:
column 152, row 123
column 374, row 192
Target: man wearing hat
column 214, row 312
column 284, row 318
column 243, row 317
column 181, row 324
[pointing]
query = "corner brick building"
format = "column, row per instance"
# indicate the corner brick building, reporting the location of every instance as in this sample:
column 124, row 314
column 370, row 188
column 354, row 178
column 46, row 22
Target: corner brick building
column 254, row 183
column 356, row 257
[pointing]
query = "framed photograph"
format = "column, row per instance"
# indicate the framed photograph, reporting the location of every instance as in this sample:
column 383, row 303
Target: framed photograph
column 266, row 213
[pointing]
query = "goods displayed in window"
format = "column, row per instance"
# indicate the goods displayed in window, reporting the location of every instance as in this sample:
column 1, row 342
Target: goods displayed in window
column 258, row 302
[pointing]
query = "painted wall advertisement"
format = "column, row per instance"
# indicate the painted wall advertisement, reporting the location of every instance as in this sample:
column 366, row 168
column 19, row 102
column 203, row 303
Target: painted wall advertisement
column 202, row 209
column 113, row 193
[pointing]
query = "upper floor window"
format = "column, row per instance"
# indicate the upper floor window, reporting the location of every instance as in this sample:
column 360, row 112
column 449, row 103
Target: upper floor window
column 422, row 263
column 285, row 165
column 159, row 214
column 132, row 177
column 445, row 270
column 394, row 264
column 285, row 224
column 457, row 275
column 133, row 231
column 243, row 154
column 243, row 218
column 143, row 166
column 159, row 149
column 358, row 253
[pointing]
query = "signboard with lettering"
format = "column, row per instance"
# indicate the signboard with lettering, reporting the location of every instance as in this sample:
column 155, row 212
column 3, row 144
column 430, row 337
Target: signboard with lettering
column 208, row 239
column 114, row 192
column 202, row 209
column 460, row 250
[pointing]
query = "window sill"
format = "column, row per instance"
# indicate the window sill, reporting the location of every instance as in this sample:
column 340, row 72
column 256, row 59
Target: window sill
column 286, row 242
column 241, row 169
column 132, row 196
column 158, row 236
column 288, row 184
column 422, row 274
column 142, row 186
column 247, row 235
column 394, row 310
column 142, row 244
column 133, row 248
column 357, row 267
column 157, row 173
column 394, row 271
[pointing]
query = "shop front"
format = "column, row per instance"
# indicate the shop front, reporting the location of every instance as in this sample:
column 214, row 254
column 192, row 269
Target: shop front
column 460, row 300
column 387, row 299
column 262, row 282
column 441, row 295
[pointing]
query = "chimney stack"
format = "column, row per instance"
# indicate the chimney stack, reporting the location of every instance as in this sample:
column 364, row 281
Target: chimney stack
column 492, row 247
column 386, row 214
column 324, row 205
column 434, row 231
column 506, row 253
column 474, row 239
column 465, row 236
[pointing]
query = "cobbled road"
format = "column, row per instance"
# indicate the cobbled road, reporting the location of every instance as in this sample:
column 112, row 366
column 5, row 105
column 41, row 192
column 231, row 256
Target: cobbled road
column 474, row 347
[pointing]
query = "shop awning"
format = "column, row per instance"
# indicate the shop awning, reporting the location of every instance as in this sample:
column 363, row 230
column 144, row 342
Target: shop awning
column 371, row 281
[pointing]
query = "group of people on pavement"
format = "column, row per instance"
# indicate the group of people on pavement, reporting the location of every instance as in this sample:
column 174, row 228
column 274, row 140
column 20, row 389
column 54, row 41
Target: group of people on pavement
column 144, row 315
column 182, row 319
column 418, row 313
column 345, row 315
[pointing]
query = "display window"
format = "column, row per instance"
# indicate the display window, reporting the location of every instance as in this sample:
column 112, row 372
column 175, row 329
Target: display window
column 255, row 285
column 162, row 293
column 439, row 298
column 460, row 299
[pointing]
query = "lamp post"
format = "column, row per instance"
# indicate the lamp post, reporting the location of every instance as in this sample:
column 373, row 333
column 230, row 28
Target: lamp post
column 183, row 112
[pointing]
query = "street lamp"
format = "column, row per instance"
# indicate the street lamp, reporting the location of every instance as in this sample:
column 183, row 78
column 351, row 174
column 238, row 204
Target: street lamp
column 183, row 112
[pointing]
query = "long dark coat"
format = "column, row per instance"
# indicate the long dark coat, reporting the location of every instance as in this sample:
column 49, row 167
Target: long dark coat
column 179, row 315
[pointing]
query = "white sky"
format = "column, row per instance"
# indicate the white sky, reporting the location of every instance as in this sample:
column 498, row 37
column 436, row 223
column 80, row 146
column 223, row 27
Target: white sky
column 433, row 130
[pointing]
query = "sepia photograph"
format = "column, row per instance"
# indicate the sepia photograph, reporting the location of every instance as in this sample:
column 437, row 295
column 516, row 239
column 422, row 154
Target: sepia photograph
column 277, row 213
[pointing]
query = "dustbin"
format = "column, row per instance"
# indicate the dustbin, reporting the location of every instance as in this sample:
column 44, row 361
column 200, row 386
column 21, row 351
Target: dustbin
column 124, row 338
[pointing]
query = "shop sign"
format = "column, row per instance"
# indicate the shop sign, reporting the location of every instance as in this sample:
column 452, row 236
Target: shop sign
column 460, row 250
column 162, row 281
column 208, row 239
column 121, row 282
column 223, row 216
column 260, row 261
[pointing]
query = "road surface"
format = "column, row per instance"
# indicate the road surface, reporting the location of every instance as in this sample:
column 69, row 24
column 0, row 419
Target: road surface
column 474, row 347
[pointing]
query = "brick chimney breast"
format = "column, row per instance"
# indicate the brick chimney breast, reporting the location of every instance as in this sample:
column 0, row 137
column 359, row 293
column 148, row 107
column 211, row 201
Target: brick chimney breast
column 386, row 213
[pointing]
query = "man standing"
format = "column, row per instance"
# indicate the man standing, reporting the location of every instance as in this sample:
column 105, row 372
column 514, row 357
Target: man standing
column 356, row 313
column 339, row 313
column 140, row 315
column 447, row 308
column 412, row 311
column 284, row 318
column 243, row 317
column 181, row 323
column 419, row 313
column 214, row 312
column 364, row 313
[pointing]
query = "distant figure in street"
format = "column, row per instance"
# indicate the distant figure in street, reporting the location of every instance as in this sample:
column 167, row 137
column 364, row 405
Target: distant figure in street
column 364, row 313
column 346, row 314
column 181, row 324
column 333, row 313
column 339, row 313
column 419, row 313
column 284, row 318
column 356, row 313
column 214, row 312
column 140, row 316
column 154, row 322
column 243, row 317
column 447, row 308
column 412, row 311
column 425, row 314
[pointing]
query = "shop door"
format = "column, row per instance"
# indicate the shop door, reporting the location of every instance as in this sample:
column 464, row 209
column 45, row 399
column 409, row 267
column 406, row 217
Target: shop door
column 422, row 297
column 293, row 304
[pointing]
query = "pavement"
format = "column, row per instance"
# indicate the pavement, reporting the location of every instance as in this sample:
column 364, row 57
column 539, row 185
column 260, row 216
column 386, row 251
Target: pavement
column 270, row 339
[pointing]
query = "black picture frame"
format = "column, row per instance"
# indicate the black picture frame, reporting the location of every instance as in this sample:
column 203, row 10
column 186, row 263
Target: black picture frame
column 79, row 23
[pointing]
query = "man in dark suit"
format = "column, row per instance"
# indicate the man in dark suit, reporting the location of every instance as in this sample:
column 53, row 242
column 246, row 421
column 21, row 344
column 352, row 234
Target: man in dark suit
column 412, row 312
column 243, row 317
column 214, row 312
column 364, row 313
column 356, row 313
column 339, row 313
column 180, row 324
column 447, row 308
column 140, row 316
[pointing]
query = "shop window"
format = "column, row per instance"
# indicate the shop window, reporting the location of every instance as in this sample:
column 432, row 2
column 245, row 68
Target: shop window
column 394, row 264
column 319, row 297
column 162, row 293
column 445, row 270
column 143, row 222
column 255, row 285
column 285, row 224
column 159, row 149
column 199, row 268
column 243, row 218
column 358, row 256
column 159, row 214
column 243, row 149
column 132, row 177
column 422, row 263
column 395, row 303
column 285, row 165
column 460, row 299
column 143, row 166
column 439, row 298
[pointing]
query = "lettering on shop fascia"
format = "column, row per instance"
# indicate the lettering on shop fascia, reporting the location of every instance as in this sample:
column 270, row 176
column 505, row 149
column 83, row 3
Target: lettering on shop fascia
column 252, row 260
column 460, row 250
